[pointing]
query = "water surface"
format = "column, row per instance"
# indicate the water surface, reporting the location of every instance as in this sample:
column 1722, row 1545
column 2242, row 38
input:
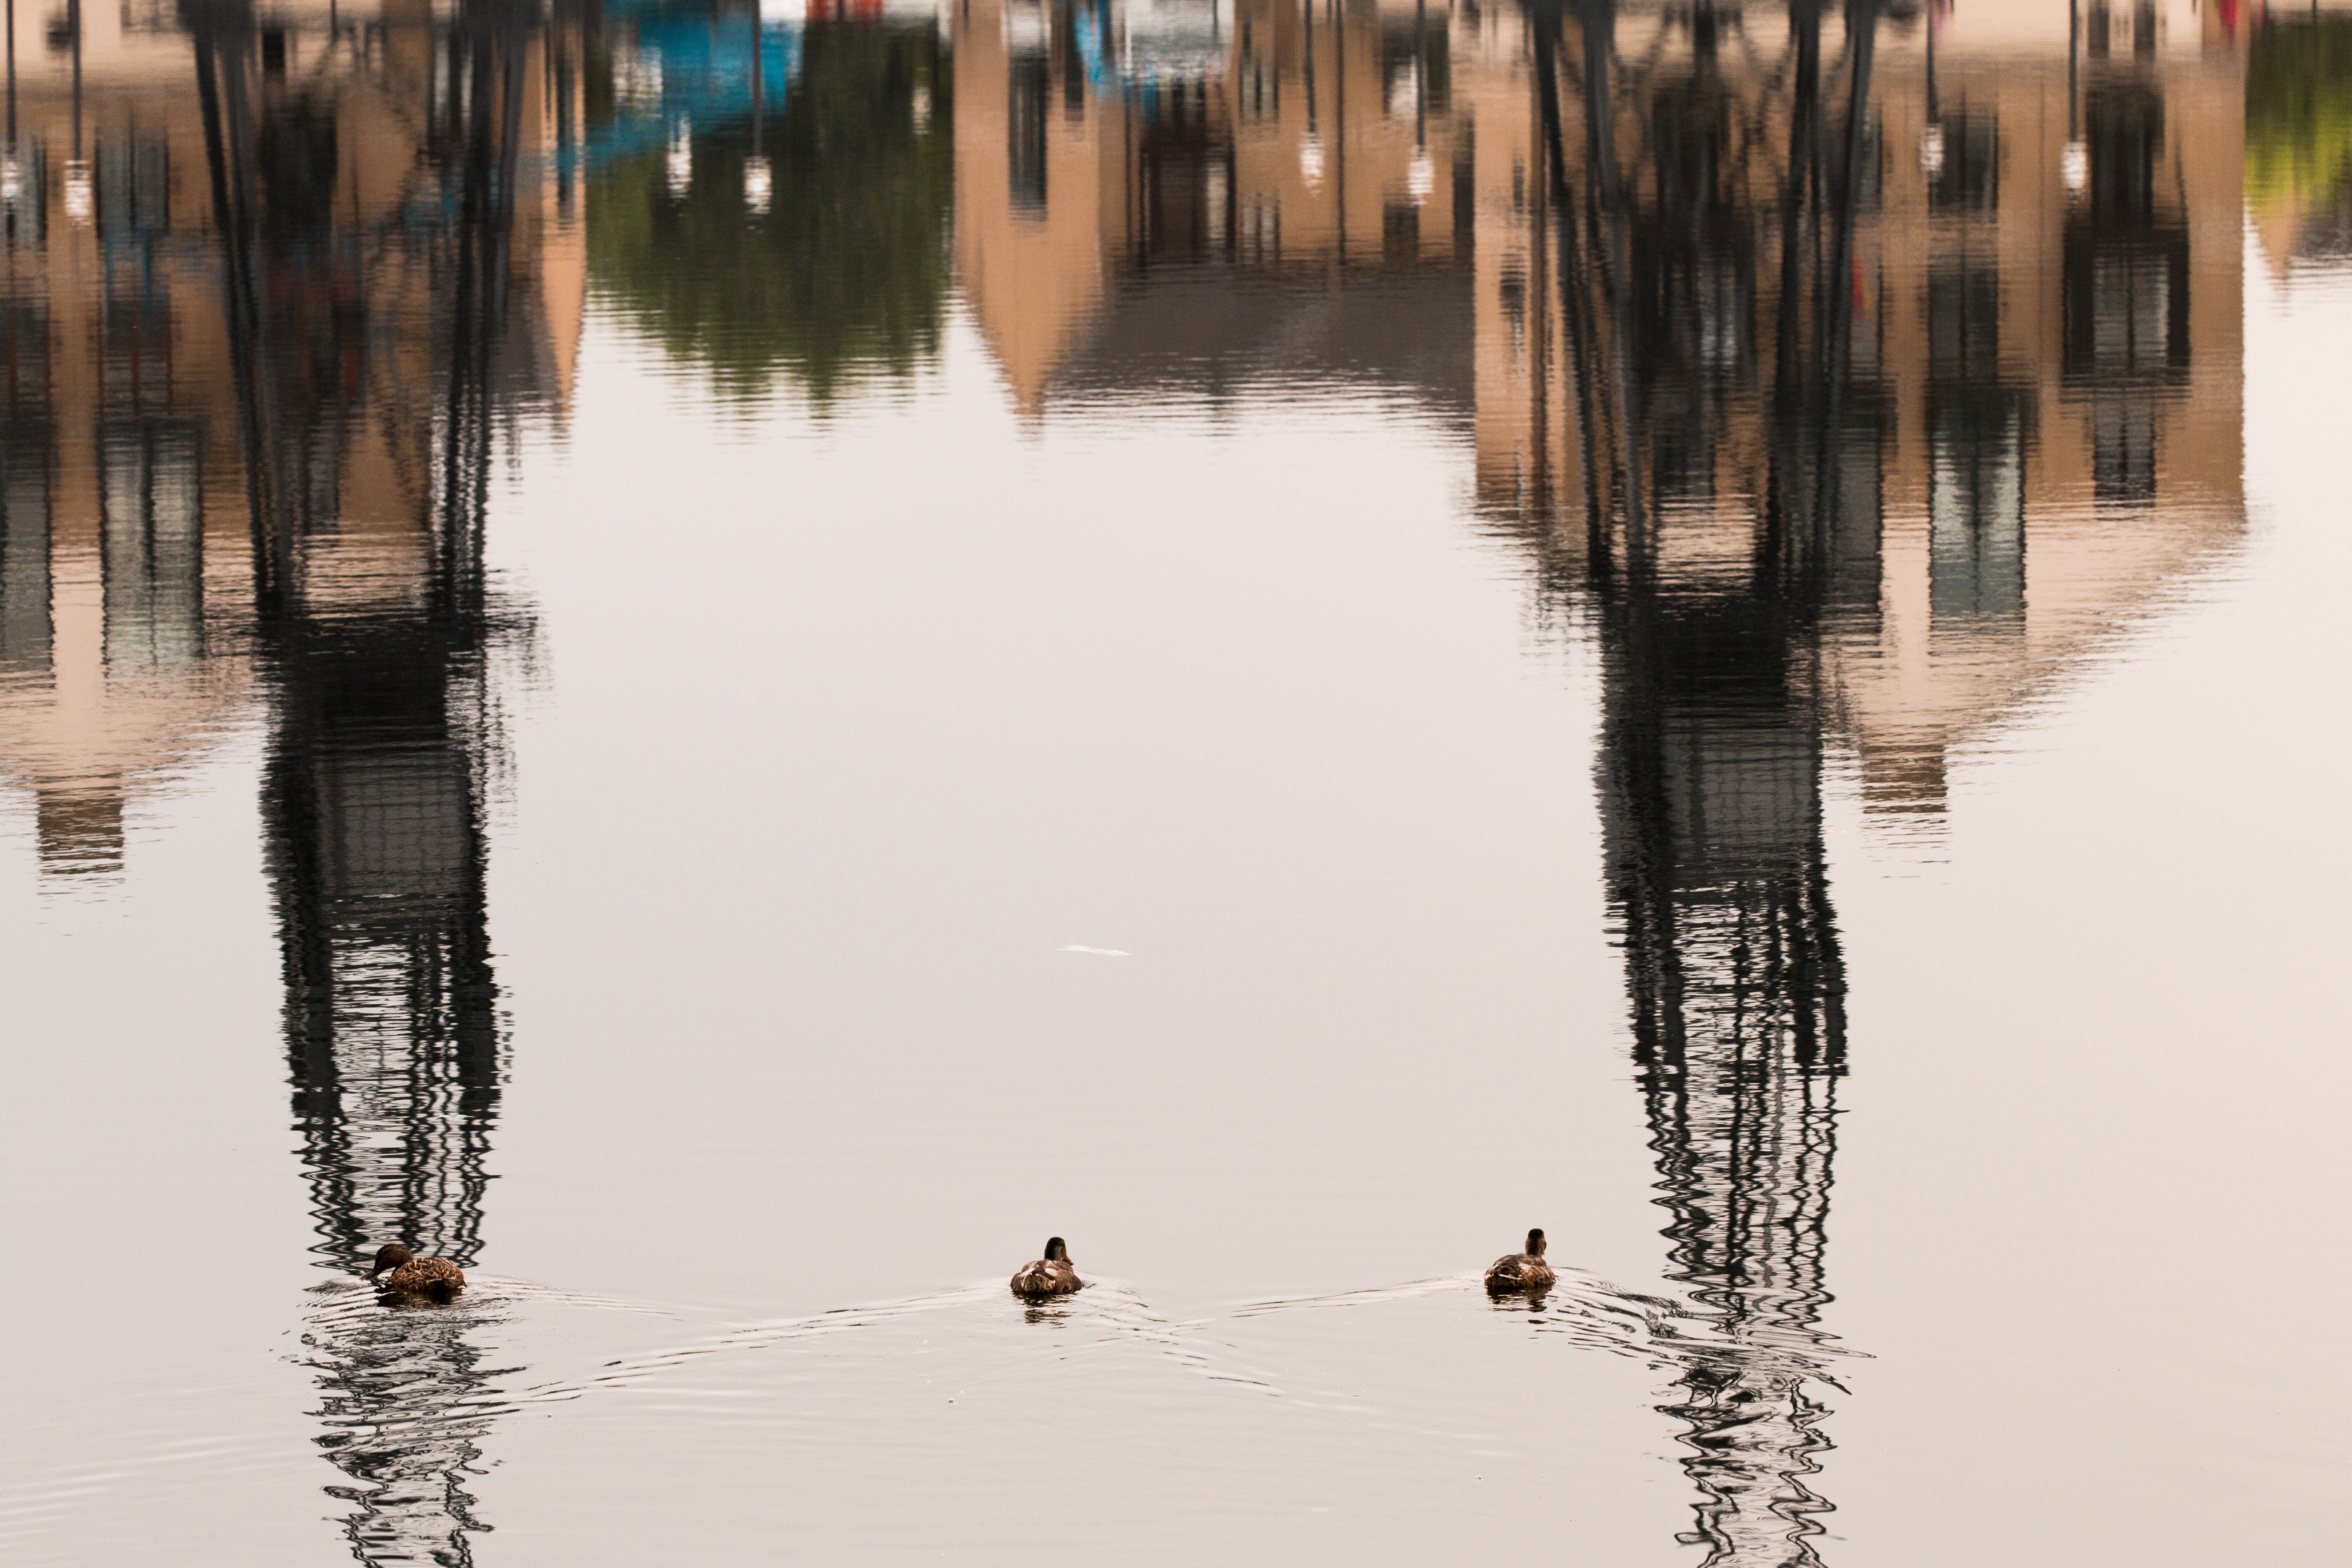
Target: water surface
column 729, row 662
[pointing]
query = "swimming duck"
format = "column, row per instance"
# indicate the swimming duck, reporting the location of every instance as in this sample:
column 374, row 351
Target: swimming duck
column 413, row 1276
column 1050, row 1275
column 1522, row 1270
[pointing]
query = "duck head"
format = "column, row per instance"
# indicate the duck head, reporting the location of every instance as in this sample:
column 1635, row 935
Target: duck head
column 1055, row 1251
column 1535, row 1244
column 391, row 1257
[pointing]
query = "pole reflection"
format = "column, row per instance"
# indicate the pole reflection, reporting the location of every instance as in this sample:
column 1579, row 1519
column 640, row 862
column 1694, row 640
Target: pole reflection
column 1704, row 235
column 375, row 354
column 1754, row 299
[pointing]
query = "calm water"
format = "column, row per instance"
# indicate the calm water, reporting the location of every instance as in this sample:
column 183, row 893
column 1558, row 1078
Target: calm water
column 729, row 662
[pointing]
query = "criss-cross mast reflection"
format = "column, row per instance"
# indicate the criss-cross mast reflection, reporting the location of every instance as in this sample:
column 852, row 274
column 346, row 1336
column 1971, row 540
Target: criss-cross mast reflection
column 373, row 626
column 272, row 284
column 1775, row 353
column 373, row 354
column 1702, row 222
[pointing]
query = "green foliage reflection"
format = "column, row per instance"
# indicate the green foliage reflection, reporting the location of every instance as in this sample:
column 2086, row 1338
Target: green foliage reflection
column 845, row 274
column 2299, row 111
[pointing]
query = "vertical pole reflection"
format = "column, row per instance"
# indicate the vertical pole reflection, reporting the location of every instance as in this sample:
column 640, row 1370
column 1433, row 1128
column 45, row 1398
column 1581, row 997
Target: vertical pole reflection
column 1685, row 181
column 365, row 339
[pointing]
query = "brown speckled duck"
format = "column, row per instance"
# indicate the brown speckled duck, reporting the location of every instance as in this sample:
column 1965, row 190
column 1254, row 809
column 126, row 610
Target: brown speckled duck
column 1522, row 1270
column 1050, row 1275
column 410, row 1275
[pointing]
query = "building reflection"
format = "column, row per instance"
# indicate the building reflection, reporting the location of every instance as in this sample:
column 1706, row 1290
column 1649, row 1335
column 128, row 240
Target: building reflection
column 2042, row 281
column 1197, row 194
column 1197, row 199
column 276, row 281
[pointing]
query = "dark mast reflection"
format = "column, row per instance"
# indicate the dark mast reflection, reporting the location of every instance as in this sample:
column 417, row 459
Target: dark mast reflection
column 1705, row 225
column 397, row 326
column 1740, row 320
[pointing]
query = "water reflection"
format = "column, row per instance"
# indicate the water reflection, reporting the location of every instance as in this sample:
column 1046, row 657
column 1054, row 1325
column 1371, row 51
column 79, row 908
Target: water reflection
column 377, row 344
column 1842, row 376
column 1755, row 300
column 1770, row 368
column 2299, row 138
column 373, row 354
column 1195, row 197
column 407, row 1406
column 1877, row 443
column 302, row 275
column 1702, row 231
column 775, row 197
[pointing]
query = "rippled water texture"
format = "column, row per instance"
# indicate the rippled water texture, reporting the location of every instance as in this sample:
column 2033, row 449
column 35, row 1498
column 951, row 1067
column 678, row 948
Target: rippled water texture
column 729, row 663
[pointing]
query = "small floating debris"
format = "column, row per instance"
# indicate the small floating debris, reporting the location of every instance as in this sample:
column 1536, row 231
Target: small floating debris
column 1098, row 952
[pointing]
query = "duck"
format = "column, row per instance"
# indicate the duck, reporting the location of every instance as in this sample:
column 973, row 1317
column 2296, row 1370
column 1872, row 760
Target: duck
column 1522, row 1270
column 1050, row 1275
column 410, row 1275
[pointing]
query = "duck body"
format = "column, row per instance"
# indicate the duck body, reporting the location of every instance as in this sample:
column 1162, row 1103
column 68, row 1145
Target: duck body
column 1522, row 1270
column 1050, row 1275
column 400, row 1272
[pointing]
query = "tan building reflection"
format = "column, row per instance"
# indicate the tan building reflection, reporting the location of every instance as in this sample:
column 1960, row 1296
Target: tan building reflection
column 163, row 442
column 2043, row 271
column 1102, row 150
column 2040, row 389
